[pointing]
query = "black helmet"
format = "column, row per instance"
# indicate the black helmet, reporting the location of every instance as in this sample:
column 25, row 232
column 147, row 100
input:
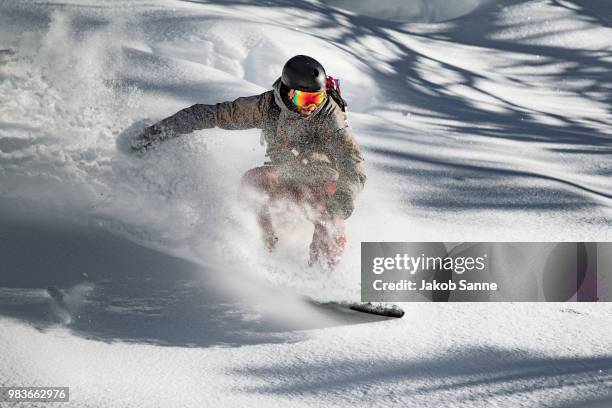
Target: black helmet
column 304, row 73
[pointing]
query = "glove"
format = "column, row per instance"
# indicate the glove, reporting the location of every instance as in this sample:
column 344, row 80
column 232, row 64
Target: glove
column 341, row 205
column 149, row 138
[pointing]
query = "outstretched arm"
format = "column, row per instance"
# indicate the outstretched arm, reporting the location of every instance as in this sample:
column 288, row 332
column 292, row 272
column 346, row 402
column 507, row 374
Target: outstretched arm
column 352, row 176
column 242, row 113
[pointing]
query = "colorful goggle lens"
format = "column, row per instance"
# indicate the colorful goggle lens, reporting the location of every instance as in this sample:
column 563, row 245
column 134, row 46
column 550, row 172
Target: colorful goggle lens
column 302, row 99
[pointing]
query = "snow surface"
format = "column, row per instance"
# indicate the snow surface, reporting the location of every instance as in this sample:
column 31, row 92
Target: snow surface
column 495, row 125
column 410, row 11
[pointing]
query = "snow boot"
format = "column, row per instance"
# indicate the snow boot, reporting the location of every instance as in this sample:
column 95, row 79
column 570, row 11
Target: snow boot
column 328, row 243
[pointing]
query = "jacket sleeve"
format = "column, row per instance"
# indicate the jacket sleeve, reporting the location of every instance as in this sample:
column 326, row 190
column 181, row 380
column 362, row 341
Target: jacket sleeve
column 347, row 156
column 242, row 113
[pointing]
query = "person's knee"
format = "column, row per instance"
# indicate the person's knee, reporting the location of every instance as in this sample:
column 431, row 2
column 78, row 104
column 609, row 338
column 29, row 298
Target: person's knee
column 269, row 179
column 261, row 178
column 330, row 187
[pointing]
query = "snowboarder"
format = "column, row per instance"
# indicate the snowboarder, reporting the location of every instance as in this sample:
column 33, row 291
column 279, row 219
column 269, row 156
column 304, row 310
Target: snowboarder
column 314, row 160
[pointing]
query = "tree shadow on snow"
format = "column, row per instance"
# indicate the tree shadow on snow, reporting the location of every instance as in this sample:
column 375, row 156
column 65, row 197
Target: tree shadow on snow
column 484, row 186
column 471, row 373
column 459, row 115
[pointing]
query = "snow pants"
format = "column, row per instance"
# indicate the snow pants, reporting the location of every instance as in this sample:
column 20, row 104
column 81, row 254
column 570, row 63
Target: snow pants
column 311, row 193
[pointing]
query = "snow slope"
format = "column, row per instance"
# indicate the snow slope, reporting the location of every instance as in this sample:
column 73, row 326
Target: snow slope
column 495, row 125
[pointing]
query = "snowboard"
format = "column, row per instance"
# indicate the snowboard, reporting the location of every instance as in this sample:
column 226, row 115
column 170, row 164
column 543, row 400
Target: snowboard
column 377, row 309
column 381, row 309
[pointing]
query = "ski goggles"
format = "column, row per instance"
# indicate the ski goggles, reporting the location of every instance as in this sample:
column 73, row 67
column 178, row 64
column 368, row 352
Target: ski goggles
column 302, row 99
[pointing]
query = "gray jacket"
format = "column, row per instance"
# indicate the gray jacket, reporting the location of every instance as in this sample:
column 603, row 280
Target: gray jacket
column 323, row 138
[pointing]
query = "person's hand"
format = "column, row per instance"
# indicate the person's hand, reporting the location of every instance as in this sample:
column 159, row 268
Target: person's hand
column 142, row 143
column 341, row 205
column 147, row 139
